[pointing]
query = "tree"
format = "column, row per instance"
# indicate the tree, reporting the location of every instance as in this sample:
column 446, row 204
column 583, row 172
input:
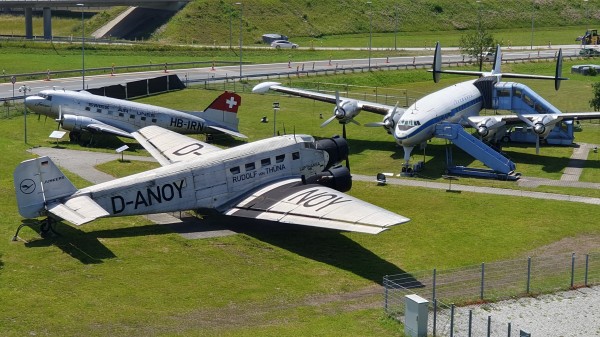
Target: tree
column 595, row 102
column 477, row 43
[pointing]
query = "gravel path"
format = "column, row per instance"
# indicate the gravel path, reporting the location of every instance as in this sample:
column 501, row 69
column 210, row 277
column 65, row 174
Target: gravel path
column 573, row 313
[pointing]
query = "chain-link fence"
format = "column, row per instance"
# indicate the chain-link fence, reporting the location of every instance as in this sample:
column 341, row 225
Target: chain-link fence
column 488, row 282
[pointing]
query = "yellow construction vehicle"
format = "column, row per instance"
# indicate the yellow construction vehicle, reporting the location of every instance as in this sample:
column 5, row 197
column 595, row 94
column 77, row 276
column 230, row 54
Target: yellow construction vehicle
column 590, row 37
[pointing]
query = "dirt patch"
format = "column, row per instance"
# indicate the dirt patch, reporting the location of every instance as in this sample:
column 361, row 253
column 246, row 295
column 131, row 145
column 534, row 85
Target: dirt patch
column 580, row 245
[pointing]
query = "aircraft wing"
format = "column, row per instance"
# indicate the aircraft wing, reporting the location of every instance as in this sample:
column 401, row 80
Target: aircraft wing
column 377, row 108
column 290, row 201
column 514, row 119
column 169, row 147
column 105, row 128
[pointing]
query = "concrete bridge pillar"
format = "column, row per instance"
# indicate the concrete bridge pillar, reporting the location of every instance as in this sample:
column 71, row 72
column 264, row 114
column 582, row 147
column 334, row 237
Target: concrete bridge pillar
column 28, row 22
column 47, row 23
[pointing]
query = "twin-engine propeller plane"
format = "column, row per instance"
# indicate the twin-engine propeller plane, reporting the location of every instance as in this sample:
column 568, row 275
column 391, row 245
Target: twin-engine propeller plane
column 457, row 104
column 82, row 111
column 291, row 179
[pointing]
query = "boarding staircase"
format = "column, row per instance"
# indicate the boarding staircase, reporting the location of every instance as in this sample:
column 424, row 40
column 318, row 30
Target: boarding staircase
column 521, row 99
column 501, row 167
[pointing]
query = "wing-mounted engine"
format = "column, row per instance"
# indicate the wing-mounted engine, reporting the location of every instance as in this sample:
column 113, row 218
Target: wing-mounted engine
column 344, row 111
column 488, row 126
column 338, row 178
column 543, row 125
column 389, row 120
column 75, row 123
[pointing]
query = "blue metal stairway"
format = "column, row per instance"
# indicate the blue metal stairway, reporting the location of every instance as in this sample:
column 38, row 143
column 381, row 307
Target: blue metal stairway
column 501, row 167
column 521, row 99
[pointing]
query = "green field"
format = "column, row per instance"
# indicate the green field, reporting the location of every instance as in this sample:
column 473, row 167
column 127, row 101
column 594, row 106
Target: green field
column 129, row 277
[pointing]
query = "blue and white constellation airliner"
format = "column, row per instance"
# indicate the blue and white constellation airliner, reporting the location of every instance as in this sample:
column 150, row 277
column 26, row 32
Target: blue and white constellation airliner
column 458, row 104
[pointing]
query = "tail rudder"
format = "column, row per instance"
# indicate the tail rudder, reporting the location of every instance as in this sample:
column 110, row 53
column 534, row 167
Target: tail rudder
column 223, row 110
column 497, row 69
column 37, row 182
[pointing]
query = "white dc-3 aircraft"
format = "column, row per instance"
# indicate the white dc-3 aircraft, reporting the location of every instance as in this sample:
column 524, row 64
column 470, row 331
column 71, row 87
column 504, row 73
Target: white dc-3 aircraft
column 82, row 111
column 459, row 103
column 291, row 179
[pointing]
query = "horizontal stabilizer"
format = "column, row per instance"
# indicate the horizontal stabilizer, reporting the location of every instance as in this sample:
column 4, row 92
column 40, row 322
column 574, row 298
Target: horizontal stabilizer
column 78, row 210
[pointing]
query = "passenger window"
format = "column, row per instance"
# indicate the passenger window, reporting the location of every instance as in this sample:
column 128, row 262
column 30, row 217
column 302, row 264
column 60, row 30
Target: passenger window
column 87, row 108
column 121, row 114
column 265, row 162
column 153, row 120
column 99, row 111
column 250, row 167
column 235, row 170
column 280, row 158
column 132, row 116
column 295, row 155
column 143, row 118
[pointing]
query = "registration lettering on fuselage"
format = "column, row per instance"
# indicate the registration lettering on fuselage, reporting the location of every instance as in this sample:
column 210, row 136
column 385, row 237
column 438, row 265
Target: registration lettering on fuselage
column 148, row 197
column 186, row 124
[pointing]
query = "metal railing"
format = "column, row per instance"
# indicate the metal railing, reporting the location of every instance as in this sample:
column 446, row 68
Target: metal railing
column 488, row 282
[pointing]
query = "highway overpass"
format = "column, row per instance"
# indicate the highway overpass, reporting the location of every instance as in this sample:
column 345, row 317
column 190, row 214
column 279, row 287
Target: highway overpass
column 47, row 5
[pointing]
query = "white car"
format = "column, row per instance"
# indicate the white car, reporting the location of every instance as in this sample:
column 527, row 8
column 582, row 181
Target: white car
column 283, row 44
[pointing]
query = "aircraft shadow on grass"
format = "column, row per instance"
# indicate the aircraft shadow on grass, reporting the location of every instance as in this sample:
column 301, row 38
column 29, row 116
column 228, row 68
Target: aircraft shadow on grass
column 72, row 241
column 326, row 246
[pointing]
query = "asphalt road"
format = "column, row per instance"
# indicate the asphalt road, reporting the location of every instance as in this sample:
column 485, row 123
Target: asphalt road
column 268, row 70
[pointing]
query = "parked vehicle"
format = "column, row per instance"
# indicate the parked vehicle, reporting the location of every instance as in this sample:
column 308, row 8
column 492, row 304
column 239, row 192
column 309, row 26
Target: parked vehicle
column 283, row 44
column 589, row 52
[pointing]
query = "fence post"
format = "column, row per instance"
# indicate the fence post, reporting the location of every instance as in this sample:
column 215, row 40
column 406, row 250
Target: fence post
column 528, row 274
column 572, row 269
column 470, row 323
column 509, row 328
column 385, row 295
column 434, row 315
column 434, row 277
column 452, row 320
column 489, row 326
column 482, row 279
column 587, row 264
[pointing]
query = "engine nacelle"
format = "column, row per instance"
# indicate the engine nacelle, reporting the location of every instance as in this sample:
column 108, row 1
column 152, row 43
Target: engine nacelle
column 338, row 178
column 76, row 123
column 490, row 124
column 346, row 110
column 336, row 147
column 543, row 125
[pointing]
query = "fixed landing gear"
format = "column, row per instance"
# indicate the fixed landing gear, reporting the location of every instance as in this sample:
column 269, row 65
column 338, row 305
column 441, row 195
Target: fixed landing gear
column 46, row 228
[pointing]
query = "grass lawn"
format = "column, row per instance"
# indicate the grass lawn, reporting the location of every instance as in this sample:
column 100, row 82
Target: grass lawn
column 130, row 277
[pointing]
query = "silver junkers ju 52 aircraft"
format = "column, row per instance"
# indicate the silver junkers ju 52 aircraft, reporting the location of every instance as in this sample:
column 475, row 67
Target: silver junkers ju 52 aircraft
column 291, row 179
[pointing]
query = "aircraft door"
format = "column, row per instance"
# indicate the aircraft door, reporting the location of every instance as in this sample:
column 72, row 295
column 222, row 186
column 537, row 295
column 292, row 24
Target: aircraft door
column 210, row 186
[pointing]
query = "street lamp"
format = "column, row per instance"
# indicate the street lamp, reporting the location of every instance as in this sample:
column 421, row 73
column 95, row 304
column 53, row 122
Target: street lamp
column 241, row 13
column 370, row 31
column 396, row 27
column 532, row 11
column 82, row 49
column 275, row 109
column 24, row 89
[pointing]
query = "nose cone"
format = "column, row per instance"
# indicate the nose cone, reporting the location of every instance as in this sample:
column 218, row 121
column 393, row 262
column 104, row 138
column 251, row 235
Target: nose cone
column 38, row 104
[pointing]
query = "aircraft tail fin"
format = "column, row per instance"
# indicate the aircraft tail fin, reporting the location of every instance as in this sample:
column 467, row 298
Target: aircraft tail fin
column 222, row 112
column 497, row 69
column 37, row 183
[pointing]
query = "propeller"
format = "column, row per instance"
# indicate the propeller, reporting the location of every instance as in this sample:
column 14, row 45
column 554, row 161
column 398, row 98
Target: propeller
column 60, row 117
column 388, row 121
column 535, row 129
column 340, row 112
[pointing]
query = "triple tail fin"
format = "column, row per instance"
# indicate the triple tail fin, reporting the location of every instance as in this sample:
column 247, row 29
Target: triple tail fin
column 37, row 183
